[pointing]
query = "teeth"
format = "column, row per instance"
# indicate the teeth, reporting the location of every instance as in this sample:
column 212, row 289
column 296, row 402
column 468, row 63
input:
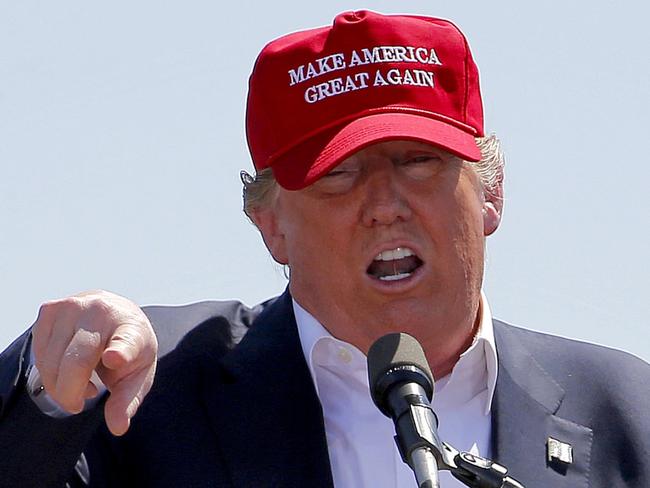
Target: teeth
column 393, row 254
column 396, row 277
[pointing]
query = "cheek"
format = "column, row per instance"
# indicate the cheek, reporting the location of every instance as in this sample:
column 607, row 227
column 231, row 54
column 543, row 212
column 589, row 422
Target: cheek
column 316, row 237
column 470, row 242
column 469, row 202
column 456, row 227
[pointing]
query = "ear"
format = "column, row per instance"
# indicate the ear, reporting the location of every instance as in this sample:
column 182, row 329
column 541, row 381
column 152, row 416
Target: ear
column 492, row 210
column 266, row 221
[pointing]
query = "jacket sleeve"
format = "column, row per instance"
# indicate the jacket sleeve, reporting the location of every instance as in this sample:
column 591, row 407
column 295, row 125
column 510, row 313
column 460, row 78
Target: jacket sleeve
column 38, row 450
column 78, row 451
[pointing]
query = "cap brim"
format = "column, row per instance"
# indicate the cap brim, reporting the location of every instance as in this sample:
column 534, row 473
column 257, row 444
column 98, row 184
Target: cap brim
column 307, row 162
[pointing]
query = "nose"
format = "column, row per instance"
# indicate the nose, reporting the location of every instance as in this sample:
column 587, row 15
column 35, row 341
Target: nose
column 385, row 199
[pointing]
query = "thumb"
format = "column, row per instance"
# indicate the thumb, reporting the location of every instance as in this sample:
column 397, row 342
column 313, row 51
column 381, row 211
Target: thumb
column 124, row 348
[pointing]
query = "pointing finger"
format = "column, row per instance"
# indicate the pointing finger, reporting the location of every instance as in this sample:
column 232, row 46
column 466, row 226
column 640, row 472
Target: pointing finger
column 125, row 398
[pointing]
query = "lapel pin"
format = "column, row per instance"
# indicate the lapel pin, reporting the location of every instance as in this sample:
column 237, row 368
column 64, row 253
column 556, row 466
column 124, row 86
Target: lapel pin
column 559, row 451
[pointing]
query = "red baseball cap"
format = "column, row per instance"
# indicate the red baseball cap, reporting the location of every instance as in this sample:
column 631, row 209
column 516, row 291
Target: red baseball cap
column 317, row 96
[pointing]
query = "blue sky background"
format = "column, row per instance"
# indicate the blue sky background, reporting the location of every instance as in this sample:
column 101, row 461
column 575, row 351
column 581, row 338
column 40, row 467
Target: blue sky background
column 122, row 135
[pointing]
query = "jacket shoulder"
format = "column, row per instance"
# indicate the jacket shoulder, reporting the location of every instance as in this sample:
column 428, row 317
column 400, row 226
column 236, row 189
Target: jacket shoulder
column 228, row 320
column 572, row 363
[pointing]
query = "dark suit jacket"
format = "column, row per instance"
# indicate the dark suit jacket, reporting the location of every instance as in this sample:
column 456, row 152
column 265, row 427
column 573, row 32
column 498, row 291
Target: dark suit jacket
column 227, row 411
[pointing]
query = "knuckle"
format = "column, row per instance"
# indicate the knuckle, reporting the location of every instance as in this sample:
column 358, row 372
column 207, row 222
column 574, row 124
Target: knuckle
column 46, row 308
column 70, row 303
column 99, row 306
column 44, row 319
column 52, row 308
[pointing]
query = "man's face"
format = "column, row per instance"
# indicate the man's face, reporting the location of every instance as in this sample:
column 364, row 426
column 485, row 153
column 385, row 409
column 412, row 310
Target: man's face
column 391, row 240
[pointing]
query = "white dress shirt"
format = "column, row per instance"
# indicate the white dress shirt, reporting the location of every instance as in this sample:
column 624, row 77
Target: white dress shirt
column 360, row 438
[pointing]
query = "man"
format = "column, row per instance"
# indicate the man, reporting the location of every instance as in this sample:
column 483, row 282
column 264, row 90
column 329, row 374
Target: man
column 376, row 186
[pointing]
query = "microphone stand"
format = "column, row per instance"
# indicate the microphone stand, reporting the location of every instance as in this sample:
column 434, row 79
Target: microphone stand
column 420, row 447
column 401, row 385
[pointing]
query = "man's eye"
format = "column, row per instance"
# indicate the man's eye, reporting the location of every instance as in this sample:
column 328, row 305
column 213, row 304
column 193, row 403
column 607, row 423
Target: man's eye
column 338, row 173
column 421, row 167
column 343, row 171
column 425, row 158
column 337, row 181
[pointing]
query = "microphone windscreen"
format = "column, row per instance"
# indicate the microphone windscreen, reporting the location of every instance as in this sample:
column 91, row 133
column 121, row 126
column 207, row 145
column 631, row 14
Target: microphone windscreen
column 394, row 350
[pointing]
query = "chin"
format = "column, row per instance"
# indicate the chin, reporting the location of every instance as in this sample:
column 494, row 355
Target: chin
column 402, row 314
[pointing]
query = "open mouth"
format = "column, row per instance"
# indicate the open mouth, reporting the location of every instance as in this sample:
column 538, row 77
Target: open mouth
column 394, row 264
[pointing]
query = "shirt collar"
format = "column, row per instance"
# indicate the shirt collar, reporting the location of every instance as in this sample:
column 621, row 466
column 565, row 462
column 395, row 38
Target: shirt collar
column 482, row 350
column 477, row 367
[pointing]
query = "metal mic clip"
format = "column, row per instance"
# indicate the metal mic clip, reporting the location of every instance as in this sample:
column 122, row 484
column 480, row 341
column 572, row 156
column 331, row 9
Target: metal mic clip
column 479, row 472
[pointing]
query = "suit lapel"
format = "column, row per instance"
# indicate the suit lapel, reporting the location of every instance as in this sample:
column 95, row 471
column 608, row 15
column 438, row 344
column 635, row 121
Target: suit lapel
column 264, row 409
column 524, row 416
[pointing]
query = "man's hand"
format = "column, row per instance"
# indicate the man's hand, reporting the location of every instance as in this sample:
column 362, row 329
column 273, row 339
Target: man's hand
column 98, row 331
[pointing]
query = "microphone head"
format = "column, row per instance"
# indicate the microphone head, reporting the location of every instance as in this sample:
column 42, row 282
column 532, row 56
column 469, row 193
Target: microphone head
column 394, row 359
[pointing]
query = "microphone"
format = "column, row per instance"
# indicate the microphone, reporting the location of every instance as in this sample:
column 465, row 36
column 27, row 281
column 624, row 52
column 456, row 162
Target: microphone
column 401, row 386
